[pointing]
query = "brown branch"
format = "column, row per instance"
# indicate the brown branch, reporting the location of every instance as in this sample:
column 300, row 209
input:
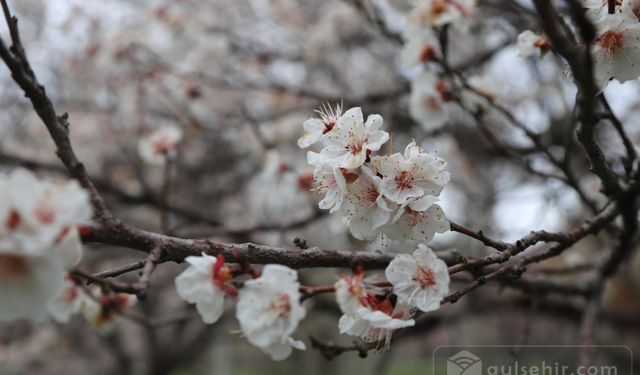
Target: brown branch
column 498, row 245
column 149, row 266
column 164, row 194
column 312, row 291
column 632, row 155
column 579, row 59
column 58, row 126
column 176, row 249
column 121, row 270
column 330, row 350
column 110, row 285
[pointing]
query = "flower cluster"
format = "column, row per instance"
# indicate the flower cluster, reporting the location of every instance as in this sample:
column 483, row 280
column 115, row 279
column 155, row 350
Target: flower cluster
column 431, row 95
column 393, row 195
column 101, row 310
column 268, row 308
column 616, row 48
column 39, row 241
column 420, row 280
column 368, row 315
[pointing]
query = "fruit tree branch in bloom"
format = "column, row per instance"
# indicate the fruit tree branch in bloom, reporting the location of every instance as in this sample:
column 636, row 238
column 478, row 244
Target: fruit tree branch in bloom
column 377, row 195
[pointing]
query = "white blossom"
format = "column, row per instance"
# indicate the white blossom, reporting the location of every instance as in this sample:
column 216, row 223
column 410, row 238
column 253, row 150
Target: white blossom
column 203, row 285
column 27, row 283
column 436, row 13
column 530, row 43
column 412, row 175
column 275, row 196
column 156, row 147
column 67, row 302
column 316, row 128
column 372, row 325
column 417, row 220
column 616, row 50
column 39, row 241
column 104, row 311
column 429, row 101
column 371, row 317
column 352, row 139
column 269, row 311
column 420, row 47
column 329, row 181
column 350, row 291
column 366, row 210
column 596, row 10
column 42, row 211
column 631, row 9
column 420, row 280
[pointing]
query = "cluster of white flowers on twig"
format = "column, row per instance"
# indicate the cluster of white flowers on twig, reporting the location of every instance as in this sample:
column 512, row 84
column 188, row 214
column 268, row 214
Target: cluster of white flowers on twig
column 102, row 310
column 268, row 308
column 39, row 240
column 419, row 280
column 616, row 49
column 39, row 243
column 431, row 95
column 391, row 195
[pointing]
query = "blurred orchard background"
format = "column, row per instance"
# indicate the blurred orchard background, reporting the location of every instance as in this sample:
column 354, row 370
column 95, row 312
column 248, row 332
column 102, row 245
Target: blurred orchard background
column 239, row 77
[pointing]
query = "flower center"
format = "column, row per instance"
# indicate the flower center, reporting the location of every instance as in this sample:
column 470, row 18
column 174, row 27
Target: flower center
column 45, row 213
column 371, row 194
column 427, row 53
column 425, row 277
column 432, row 103
column 328, row 126
column 71, row 293
column 13, row 220
column 305, row 181
column 356, row 287
column 163, row 145
column 438, row 7
column 443, row 90
column 611, row 41
column 281, row 306
column 111, row 305
column 404, row 180
column 355, row 147
column 542, row 43
column 12, row 265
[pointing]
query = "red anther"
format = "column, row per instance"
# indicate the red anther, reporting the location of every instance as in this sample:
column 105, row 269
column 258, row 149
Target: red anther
column 84, row 230
column 444, row 91
column 328, row 126
column 305, row 181
column 13, row 220
column 219, row 263
column 230, row 290
column 427, row 53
